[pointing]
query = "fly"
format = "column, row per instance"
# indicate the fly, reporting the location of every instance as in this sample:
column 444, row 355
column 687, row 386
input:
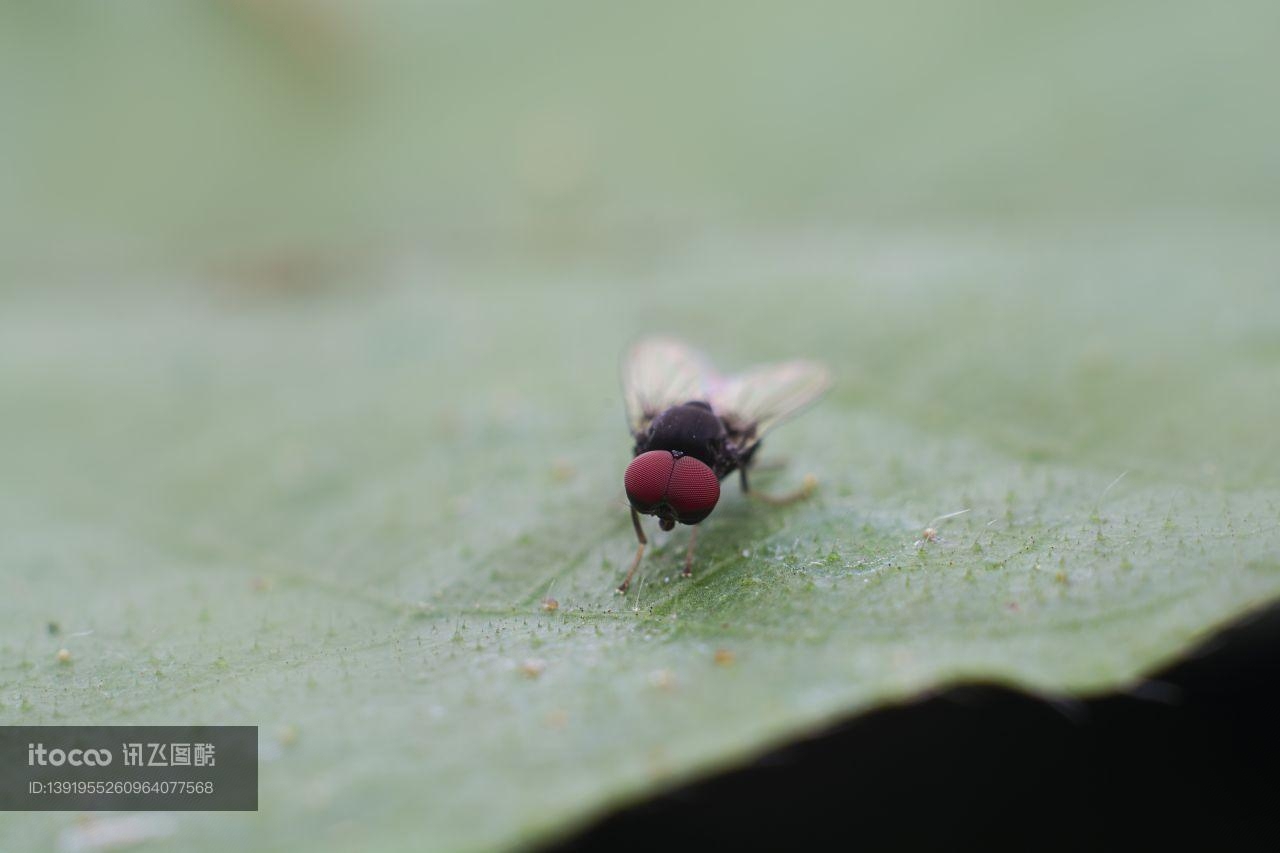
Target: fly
column 693, row 428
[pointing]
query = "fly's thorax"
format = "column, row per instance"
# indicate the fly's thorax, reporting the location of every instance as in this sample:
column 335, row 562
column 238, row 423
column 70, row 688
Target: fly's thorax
column 691, row 428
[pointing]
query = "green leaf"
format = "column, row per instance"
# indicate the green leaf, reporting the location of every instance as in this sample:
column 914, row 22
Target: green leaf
column 339, row 521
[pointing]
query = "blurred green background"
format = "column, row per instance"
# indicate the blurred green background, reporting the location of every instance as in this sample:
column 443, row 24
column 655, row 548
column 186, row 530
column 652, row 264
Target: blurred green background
column 309, row 323
column 291, row 126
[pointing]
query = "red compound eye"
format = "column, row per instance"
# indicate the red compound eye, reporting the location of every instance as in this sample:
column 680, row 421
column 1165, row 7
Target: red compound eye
column 693, row 490
column 647, row 477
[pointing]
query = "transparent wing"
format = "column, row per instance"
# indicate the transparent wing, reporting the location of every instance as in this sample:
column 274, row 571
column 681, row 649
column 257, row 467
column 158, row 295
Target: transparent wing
column 754, row 402
column 659, row 373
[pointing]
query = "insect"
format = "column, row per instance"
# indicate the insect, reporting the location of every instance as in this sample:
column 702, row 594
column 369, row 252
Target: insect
column 930, row 533
column 693, row 427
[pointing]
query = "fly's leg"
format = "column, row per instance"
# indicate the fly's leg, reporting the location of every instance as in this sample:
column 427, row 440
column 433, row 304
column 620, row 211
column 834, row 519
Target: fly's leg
column 688, row 555
column 635, row 564
column 807, row 487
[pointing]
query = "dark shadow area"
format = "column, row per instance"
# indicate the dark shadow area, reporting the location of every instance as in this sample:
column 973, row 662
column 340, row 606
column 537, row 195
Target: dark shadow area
column 1191, row 755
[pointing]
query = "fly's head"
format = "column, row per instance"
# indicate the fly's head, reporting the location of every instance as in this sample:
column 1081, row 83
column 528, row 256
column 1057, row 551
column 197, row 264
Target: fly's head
column 675, row 487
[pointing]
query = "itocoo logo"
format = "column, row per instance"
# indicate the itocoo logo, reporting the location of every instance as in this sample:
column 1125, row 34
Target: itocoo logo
column 37, row 754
